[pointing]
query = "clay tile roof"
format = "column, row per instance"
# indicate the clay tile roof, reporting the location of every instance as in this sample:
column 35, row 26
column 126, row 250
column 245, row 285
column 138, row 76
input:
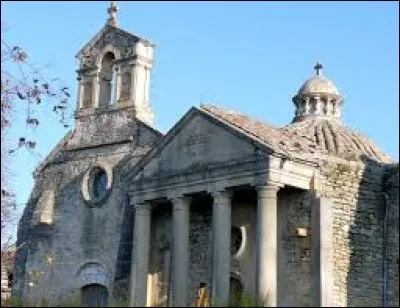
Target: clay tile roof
column 268, row 134
column 306, row 139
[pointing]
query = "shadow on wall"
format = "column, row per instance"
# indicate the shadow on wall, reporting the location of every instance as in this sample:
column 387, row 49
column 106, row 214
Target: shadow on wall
column 123, row 265
column 294, row 267
column 96, row 225
column 391, row 183
column 372, row 268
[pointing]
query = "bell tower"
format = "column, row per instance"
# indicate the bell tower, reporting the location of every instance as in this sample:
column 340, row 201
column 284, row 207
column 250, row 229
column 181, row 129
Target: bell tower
column 114, row 72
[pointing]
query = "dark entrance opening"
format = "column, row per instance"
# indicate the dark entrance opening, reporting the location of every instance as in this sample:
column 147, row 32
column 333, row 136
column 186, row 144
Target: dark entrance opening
column 94, row 295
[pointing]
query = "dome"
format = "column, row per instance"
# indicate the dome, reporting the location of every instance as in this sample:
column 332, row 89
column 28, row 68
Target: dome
column 318, row 84
column 317, row 135
column 317, row 97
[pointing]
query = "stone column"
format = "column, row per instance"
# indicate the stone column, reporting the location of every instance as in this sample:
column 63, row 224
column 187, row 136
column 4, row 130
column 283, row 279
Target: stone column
column 266, row 244
column 221, row 223
column 116, row 84
column 180, row 226
column 307, row 106
column 140, row 255
column 95, row 89
column 322, row 252
column 134, row 78
column 79, row 95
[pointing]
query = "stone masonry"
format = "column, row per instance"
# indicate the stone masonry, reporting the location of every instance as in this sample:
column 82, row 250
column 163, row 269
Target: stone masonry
column 301, row 215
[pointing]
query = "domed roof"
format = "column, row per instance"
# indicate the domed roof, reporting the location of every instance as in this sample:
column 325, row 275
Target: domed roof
column 317, row 135
column 318, row 84
column 310, row 139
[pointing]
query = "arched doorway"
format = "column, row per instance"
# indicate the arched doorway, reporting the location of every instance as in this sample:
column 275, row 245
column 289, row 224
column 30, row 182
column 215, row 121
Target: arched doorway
column 94, row 295
column 236, row 290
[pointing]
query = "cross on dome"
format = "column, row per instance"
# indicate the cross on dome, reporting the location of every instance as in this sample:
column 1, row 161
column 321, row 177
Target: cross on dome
column 318, row 68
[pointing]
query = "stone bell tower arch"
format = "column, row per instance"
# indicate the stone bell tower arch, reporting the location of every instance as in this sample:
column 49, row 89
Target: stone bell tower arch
column 114, row 72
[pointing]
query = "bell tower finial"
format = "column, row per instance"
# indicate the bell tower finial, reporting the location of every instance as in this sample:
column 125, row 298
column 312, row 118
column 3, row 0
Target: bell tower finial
column 112, row 14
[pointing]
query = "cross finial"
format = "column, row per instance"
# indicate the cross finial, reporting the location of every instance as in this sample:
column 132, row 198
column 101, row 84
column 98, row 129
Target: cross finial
column 112, row 14
column 318, row 68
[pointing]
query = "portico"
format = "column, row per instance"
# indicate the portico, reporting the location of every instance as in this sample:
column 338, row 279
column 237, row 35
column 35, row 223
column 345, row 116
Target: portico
column 221, row 241
column 221, row 189
column 173, row 176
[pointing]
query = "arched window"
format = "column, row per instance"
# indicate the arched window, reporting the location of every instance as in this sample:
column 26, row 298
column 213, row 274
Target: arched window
column 106, row 80
column 94, row 295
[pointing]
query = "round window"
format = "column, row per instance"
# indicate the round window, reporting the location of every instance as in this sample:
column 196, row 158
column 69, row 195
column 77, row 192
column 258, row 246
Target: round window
column 236, row 240
column 97, row 184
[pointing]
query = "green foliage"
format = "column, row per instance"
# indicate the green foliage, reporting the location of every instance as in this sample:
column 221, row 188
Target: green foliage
column 12, row 302
column 120, row 303
column 245, row 300
column 44, row 303
column 71, row 302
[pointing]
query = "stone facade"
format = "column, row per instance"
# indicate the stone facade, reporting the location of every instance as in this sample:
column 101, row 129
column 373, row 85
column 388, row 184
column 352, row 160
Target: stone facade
column 78, row 233
column 303, row 215
column 392, row 235
column 7, row 263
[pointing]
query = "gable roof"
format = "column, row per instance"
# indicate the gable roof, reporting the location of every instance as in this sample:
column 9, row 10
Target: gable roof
column 54, row 152
column 103, row 30
column 267, row 134
column 310, row 139
column 63, row 145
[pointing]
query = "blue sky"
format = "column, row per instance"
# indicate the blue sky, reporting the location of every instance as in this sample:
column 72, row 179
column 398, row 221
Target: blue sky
column 247, row 56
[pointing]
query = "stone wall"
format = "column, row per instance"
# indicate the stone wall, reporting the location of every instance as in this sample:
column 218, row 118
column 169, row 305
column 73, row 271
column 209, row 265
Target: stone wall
column 392, row 244
column 200, row 250
column 244, row 262
column 294, row 271
column 357, row 193
column 78, row 234
column 294, row 277
column 52, row 253
column 5, row 283
column 200, row 246
column 160, row 254
column 7, row 264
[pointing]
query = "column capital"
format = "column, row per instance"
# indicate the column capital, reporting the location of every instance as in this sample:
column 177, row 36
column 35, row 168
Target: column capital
column 268, row 186
column 142, row 208
column 220, row 196
column 174, row 194
column 180, row 203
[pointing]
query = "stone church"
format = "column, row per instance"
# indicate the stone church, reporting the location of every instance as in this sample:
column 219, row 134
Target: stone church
column 304, row 214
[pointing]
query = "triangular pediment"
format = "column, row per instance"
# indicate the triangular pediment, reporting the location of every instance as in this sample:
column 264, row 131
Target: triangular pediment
column 114, row 36
column 197, row 142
